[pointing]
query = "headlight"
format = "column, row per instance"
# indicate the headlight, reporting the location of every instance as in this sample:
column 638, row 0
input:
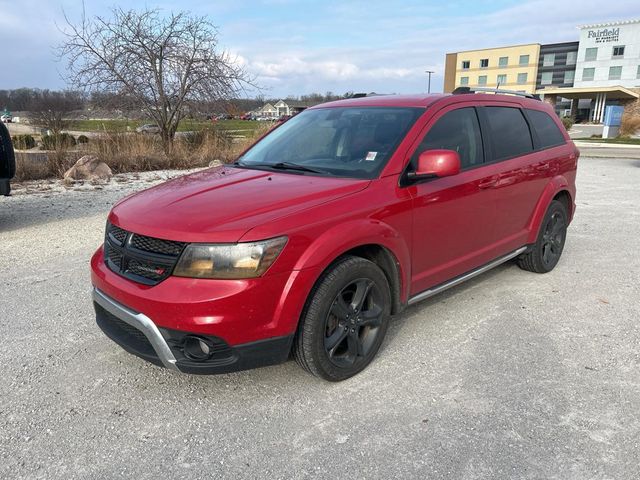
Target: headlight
column 235, row 260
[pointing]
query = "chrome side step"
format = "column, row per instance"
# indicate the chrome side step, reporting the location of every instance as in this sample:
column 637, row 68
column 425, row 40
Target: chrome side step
column 463, row 278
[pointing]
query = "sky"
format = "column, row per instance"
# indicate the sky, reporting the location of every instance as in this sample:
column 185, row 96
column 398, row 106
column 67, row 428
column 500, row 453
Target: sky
column 295, row 47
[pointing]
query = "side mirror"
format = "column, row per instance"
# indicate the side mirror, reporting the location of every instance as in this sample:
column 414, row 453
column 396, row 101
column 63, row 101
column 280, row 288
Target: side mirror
column 436, row 163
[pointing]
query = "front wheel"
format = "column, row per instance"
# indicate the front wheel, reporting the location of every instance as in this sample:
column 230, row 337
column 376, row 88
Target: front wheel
column 545, row 253
column 345, row 320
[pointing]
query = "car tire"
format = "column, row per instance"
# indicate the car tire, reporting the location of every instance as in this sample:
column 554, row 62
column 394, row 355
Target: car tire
column 544, row 255
column 344, row 321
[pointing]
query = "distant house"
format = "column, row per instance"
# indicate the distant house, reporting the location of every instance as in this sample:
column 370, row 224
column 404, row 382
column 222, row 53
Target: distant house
column 282, row 107
column 268, row 111
column 290, row 107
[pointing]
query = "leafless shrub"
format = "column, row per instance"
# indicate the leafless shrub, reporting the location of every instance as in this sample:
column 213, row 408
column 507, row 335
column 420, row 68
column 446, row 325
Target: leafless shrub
column 630, row 125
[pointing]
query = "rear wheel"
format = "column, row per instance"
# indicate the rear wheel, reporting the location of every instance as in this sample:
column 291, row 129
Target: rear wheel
column 545, row 253
column 345, row 320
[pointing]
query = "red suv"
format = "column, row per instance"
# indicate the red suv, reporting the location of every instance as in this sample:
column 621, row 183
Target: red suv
column 329, row 225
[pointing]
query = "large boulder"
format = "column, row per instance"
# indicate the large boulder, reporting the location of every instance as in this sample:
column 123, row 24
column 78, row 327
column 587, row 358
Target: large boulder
column 89, row 168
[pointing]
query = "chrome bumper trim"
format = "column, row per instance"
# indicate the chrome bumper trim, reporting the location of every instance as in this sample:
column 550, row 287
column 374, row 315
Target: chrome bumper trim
column 142, row 323
column 467, row 276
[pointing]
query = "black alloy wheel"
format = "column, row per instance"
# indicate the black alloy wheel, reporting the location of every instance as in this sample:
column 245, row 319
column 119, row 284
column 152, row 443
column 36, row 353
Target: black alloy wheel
column 553, row 239
column 545, row 254
column 345, row 320
column 353, row 322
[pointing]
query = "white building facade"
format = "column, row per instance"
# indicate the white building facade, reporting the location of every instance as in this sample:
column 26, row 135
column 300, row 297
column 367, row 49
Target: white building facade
column 609, row 55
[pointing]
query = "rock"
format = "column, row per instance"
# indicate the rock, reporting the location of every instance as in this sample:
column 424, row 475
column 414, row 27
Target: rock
column 215, row 163
column 89, row 168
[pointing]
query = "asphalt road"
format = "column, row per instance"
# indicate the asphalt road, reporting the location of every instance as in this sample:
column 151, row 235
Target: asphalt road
column 512, row 375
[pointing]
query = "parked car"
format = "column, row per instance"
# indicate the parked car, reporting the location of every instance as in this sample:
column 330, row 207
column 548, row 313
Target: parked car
column 333, row 222
column 6, row 118
column 7, row 161
column 149, row 128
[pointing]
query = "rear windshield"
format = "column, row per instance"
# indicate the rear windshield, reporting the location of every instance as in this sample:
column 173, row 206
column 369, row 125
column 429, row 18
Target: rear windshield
column 343, row 141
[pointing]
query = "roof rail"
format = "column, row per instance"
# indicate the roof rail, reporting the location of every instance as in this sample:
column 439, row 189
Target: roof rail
column 465, row 90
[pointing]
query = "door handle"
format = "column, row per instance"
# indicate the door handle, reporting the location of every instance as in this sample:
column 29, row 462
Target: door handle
column 488, row 182
column 543, row 167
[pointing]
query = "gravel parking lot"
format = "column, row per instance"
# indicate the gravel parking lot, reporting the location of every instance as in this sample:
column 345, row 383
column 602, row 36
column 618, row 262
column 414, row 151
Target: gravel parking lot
column 512, row 375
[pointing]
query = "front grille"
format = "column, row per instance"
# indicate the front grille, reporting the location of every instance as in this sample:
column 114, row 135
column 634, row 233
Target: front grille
column 152, row 272
column 143, row 259
column 115, row 258
column 118, row 234
column 157, row 245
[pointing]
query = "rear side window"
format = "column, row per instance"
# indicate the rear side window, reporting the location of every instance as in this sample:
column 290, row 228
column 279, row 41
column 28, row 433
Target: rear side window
column 549, row 135
column 457, row 130
column 509, row 131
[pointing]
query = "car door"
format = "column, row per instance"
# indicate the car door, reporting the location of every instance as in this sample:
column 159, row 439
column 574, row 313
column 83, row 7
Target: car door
column 452, row 216
column 519, row 172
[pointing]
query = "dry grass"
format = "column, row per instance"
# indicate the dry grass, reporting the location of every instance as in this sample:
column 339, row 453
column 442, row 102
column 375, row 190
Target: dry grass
column 128, row 152
column 28, row 168
column 630, row 125
column 125, row 152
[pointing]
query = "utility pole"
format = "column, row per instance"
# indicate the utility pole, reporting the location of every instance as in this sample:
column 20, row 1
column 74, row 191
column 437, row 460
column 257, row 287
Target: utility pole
column 429, row 72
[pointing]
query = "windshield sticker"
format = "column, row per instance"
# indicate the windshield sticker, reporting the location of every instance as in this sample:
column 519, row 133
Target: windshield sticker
column 371, row 156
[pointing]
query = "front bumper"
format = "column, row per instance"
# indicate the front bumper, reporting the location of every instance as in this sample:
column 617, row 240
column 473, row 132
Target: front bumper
column 139, row 335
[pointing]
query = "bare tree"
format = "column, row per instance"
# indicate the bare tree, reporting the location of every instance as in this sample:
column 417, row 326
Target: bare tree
column 165, row 63
column 51, row 109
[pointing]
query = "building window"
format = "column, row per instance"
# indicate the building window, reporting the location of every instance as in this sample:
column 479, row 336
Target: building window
column 590, row 54
column 524, row 60
column 547, row 78
column 588, row 74
column 549, row 60
column 502, row 79
column 482, row 80
column 618, row 52
column 572, row 57
column 615, row 73
column 464, row 80
column 638, row 72
column 569, row 76
column 503, row 62
column 466, row 64
column 522, row 78
column 484, row 63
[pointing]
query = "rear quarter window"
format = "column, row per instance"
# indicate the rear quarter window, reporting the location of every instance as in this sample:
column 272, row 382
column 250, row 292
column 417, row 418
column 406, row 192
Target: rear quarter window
column 549, row 135
column 509, row 132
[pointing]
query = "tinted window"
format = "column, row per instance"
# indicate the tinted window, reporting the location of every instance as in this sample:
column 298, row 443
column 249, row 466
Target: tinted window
column 509, row 131
column 548, row 132
column 457, row 130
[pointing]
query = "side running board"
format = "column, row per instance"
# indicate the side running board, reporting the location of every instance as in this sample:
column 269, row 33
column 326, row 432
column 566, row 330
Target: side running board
column 463, row 278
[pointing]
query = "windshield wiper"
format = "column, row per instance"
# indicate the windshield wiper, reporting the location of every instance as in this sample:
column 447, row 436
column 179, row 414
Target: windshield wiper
column 283, row 166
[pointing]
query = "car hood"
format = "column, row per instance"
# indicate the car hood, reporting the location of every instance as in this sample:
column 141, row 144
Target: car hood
column 221, row 204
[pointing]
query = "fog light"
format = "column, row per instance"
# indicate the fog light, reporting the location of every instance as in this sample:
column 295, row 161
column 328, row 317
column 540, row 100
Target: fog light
column 196, row 348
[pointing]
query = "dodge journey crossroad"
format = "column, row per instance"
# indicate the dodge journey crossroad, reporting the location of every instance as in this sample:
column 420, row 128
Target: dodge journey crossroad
column 330, row 224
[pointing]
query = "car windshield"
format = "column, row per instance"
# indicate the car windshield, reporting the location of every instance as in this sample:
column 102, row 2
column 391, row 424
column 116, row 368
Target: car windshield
column 340, row 141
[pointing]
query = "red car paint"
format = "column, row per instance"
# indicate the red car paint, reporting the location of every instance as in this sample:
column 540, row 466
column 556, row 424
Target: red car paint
column 435, row 230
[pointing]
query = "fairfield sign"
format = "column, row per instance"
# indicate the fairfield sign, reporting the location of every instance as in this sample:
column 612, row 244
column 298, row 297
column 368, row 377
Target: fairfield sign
column 605, row 35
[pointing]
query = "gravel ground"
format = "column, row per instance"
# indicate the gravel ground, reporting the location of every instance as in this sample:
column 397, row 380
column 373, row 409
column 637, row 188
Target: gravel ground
column 512, row 375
